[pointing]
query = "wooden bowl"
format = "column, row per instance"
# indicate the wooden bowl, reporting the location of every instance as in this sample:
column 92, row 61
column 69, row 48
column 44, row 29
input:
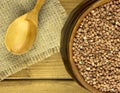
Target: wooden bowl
column 68, row 33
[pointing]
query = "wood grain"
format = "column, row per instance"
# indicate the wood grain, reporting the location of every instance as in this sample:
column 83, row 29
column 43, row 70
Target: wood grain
column 51, row 68
column 41, row 86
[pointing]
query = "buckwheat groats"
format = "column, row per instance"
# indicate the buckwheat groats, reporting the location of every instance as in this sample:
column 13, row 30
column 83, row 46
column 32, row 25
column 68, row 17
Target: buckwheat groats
column 96, row 47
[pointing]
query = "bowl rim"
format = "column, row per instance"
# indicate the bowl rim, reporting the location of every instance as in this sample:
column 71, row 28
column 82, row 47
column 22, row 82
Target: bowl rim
column 70, row 29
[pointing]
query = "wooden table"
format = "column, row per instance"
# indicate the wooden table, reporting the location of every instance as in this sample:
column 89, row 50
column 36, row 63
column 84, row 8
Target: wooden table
column 48, row 76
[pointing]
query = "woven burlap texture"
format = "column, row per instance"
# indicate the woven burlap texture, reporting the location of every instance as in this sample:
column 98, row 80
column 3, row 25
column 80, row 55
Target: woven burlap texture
column 51, row 20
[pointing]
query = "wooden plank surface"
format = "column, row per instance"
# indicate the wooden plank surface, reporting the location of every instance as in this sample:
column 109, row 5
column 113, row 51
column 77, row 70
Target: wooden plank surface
column 51, row 68
column 40, row 86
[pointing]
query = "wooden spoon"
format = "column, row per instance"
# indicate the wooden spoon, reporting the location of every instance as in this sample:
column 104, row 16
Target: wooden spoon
column 22, row 33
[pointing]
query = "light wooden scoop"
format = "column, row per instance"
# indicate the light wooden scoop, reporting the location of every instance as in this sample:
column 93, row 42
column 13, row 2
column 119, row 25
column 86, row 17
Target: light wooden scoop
column 22, row 32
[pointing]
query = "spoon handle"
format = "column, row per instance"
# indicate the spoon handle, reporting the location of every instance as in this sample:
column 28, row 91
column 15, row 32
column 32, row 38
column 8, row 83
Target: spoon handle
column 38, row 5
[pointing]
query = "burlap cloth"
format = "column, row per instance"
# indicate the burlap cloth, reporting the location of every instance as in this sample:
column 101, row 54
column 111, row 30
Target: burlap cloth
column 51, row 21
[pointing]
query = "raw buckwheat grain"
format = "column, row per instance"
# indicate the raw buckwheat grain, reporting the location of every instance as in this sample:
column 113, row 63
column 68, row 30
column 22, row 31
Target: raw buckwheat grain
column 96, row 47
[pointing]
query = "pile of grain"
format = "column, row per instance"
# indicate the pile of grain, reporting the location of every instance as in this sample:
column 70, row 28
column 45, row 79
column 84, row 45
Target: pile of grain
column 96, row 47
